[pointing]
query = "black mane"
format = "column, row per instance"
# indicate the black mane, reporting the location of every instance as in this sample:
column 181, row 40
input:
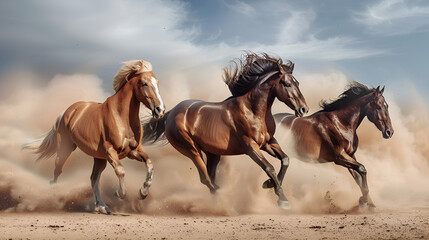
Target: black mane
column 245, row 74
column 354, row 91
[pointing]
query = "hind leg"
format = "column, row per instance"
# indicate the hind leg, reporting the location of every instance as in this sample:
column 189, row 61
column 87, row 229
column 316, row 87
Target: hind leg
column 99, row 166
column 212, row 162
column 63, row 153
column 358, row 172
column 187, row 147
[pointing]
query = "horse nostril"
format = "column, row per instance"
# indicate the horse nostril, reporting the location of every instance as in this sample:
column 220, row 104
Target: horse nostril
column 388, row 133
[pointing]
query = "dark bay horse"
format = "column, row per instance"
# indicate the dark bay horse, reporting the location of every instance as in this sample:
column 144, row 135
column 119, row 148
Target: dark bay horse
column 108, row 131
column 242, row 124
column 330, row 134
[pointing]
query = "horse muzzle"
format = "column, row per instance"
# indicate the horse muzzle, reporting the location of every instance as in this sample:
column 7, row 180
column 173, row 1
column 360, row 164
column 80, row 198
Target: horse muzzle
column 158, row 112
column 301, row 111
column 388, row 133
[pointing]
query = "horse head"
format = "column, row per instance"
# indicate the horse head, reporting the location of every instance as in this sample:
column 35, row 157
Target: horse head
column 287, row 90
column 377, row 112
column 139, row 74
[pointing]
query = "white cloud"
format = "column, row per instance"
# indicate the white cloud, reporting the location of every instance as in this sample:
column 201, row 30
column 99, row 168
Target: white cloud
column 241, row 7
column 161, row 32
column 395, row 17
column 293, row 28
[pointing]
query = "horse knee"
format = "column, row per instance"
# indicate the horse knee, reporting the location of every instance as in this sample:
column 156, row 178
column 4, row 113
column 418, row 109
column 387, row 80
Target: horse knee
column 120, row 171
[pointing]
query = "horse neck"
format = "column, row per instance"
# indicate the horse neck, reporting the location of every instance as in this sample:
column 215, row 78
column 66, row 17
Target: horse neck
column 353, row 115
column 125, row 103
column 260, row 100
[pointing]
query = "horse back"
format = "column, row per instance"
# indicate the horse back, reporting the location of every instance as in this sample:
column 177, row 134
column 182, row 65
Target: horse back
column 82, row 122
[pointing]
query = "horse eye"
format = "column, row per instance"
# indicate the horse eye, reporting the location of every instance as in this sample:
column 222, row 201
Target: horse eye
column 286, row 84
column 144, row 84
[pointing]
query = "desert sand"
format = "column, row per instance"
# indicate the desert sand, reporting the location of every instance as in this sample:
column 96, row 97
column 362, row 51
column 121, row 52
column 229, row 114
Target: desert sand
column 410, row 224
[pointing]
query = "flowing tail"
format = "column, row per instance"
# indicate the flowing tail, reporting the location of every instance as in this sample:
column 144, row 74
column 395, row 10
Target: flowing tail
column 154, row 130
column 48, row 147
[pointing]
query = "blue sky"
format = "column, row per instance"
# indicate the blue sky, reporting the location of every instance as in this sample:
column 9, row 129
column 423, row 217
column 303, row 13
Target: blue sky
column 374, row 42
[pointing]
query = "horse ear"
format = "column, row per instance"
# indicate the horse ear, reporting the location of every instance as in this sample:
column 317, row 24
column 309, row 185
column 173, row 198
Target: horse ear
column 290, row 65
column 382, row 91
column 377, row 93
column 282, row 71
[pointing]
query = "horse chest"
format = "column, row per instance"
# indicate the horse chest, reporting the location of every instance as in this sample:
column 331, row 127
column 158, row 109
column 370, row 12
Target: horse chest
column 124, row 141
column 260, row 134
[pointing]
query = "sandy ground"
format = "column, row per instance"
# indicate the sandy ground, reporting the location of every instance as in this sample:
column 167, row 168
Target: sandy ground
column 410, row 224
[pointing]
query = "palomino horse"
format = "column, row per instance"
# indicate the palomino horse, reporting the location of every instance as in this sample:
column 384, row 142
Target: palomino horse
column 242, row 124
column 330, row 134
column 108, row 131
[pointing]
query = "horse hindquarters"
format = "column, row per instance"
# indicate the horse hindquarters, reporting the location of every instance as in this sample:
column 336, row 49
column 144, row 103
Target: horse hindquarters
column 181, row 140
column 65, row 146
column 59, row 143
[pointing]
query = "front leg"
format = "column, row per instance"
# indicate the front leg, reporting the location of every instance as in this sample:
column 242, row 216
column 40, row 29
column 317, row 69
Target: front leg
column 140, row 155
column 358, row 171
column 113, row 159
column 253, row 151
column 274, row 149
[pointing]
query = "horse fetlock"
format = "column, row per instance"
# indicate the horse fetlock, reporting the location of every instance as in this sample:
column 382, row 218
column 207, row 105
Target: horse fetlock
column 147, row 184
column 279, row 192
column 143, row 193
column 285, row 161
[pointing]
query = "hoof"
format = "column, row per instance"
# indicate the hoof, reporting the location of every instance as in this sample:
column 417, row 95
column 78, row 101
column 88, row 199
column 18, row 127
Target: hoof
column 142, row 194
column 283, row 204
column 268, row 184
column 119, row 195
column 362, row 203
column 103, row 210
column 213, row 191
column 372, row 207
column 52, row 182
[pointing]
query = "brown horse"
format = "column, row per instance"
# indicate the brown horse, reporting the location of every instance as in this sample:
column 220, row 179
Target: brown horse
column 242, row 124
column 108, row 131
column 330, row 134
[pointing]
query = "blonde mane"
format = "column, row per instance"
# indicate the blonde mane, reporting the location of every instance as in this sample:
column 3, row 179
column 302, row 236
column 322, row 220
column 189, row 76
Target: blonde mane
column 130, row 67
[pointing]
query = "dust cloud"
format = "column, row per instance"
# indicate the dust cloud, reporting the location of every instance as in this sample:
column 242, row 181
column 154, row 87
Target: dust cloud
column 397, row 168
